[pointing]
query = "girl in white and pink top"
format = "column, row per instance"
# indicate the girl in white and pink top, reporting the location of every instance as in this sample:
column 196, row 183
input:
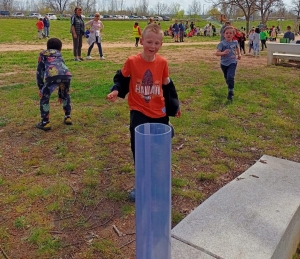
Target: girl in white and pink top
column 96, row 27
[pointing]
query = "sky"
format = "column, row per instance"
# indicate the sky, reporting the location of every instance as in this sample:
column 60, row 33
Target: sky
column 184, row 4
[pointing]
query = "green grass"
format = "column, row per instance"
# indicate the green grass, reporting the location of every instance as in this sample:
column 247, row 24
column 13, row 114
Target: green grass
column 74, row 180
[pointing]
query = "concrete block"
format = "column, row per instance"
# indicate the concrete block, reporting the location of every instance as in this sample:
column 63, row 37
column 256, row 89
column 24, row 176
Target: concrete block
column 257, row 216
column 180, row 250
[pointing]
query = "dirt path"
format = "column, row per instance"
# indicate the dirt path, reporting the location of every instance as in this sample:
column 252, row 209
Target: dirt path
column 28, row 47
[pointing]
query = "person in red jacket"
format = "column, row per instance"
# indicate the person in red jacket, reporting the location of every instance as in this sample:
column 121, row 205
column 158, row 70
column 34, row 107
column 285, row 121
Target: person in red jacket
column 40, row 27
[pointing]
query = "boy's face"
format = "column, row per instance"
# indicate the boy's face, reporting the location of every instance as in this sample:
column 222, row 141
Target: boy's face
column 151, row 43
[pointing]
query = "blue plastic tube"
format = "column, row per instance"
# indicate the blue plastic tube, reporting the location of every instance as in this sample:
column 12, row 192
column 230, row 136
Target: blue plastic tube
column 153, row 191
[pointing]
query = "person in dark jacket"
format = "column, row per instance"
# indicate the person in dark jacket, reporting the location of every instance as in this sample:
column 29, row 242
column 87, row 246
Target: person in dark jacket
column 46, row 22
column 52, row 73
column 288, row 34
column 77, row 30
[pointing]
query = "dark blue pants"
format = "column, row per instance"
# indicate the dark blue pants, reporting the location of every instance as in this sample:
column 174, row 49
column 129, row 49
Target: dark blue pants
column 63, row 94
column 99, row 47
column 137, row 118
column 229, row 73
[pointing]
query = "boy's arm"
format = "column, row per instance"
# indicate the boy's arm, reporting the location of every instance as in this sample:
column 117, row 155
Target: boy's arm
column 171, row 99
column 222, row 53
column 120, row 87
column 238, row 52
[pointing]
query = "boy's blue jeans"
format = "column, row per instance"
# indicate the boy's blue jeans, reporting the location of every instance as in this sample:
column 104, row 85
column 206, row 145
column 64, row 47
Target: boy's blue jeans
column 229, row 73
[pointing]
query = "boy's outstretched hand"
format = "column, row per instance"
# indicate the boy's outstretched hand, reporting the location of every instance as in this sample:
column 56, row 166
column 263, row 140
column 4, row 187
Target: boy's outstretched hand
column 112, row 96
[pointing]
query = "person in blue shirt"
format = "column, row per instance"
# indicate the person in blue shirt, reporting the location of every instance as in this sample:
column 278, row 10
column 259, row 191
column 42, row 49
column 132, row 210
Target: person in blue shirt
column 288, row 34
column 228, row 50
column 176, row 31
column 46, row 22
column 181, row 31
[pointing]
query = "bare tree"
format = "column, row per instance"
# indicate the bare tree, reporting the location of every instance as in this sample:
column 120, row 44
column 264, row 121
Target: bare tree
column 194, row 8
column 7, row 4
column 174, row 9
column 143, row 7
column 247, row 7
column 58, row 6
column 160, row 8
column 265, row 8
column 296, row 7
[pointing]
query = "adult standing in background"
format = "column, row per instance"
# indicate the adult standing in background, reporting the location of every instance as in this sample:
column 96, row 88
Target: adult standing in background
column 96, row 26
column 227, row 23
column 46, row 22
column 150, row 20
column 77, row 30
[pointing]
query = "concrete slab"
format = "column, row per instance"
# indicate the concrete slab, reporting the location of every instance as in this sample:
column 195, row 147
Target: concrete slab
column 257, row 216
column 181, row 250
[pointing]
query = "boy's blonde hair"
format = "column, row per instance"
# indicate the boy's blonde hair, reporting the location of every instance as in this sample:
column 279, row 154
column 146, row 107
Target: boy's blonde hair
column 154, row 28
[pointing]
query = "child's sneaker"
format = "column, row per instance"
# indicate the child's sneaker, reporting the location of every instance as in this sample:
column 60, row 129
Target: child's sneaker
column 103, row 58
column 44, row 125
column 89, row 57
column 68, row 120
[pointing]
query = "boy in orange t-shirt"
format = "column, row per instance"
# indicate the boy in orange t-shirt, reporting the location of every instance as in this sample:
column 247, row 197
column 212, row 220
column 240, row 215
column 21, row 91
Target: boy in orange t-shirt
column 148, row 72
column 40, row 27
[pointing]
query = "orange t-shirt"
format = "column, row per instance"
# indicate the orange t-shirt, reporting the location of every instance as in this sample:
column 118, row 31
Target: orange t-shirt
column 145, row 90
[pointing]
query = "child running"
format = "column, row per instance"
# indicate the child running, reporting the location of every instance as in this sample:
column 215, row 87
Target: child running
column 52, row 73
column 152, row 95
column 228, row 50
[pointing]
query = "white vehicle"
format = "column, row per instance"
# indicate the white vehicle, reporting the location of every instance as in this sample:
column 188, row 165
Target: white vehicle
column 51, row 16
column 210, row 18
column 241, row 18
column 36, row 15
column 17, row 14
column 157, row 18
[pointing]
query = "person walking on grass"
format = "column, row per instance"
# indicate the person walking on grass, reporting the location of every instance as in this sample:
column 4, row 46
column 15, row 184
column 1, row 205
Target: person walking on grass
column 136, row 33
column 263, row 39
column 77, row 30
column 96, row 27
column 228, row 50
column 152, row 96
column 256, row 41
column 40, row 27
column 52, row 73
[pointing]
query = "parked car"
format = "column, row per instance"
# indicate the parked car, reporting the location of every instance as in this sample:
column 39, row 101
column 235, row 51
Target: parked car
column 157, row 18
column 134, row 17
column 51, row 16
column 241, row 18
column 107, row 16
column 36, row 15
column 210, row 18
column 18, row 14
column 280, row 19
column 143, row 17
column 166, row 18
column 4, row 13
